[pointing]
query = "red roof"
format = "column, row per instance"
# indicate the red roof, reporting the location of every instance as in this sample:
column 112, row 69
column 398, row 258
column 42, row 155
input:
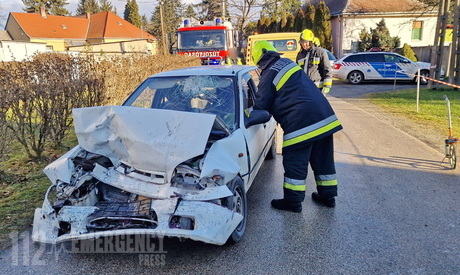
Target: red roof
column 100, row 25
column 109, row 25
column 35, row 26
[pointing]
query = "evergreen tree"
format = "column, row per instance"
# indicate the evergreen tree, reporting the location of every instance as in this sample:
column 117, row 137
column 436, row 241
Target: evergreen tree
column 52, row 7
column 288, row 23
column 106, row 5
column 280, row 8
column 309, row 16
column 131, row 13
column 379, row 37
column 190, row 12
column 85, row 6
column 210, row 9
column 365, row 42
column 172, row 14
column 299, row 21
column 145, row 22
column 408, row 52
column 322, row 27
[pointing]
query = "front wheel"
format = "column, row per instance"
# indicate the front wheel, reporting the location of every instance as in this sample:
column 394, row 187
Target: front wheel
column 453, row 156
column 355, row 77
column 238, row 204
column 423, row 81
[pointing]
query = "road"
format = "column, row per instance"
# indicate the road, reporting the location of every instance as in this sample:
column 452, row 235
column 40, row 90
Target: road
column 397, row 213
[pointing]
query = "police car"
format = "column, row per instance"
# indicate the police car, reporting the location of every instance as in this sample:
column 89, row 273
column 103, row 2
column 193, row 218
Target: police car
column 358, row 67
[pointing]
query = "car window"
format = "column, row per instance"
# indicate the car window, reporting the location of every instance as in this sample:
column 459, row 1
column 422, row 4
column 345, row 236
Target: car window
column 249, row 90
column 354, row 58
column 374, row 58
column 255, row 74
column 391, row 58
column 199, row 94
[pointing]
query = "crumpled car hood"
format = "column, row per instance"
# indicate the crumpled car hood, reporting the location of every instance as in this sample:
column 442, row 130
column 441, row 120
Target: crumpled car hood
column 150, row 140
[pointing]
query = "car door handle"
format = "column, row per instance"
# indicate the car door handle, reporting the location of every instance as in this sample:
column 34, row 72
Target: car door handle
column 387, row 65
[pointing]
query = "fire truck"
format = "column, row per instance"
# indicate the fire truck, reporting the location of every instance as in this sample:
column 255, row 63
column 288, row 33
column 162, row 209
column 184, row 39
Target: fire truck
column 208, row 40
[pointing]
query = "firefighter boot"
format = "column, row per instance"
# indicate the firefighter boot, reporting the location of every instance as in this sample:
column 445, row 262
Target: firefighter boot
column 286, row 205
column 329, row 202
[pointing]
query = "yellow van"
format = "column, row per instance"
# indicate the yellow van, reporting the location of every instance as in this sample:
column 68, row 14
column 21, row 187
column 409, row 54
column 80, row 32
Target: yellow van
column 284, row 42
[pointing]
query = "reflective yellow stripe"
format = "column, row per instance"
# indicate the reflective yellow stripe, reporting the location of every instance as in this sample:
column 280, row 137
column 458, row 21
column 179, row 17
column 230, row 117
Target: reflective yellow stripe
column 311, row 134
column 327, row 83
column 294, row 187
column 326, row 182
column 315, row 62
column 286, row 76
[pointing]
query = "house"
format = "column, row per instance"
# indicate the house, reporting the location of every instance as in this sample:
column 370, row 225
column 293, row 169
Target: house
column 407, row 19
column 17, row 50
column 61, row 33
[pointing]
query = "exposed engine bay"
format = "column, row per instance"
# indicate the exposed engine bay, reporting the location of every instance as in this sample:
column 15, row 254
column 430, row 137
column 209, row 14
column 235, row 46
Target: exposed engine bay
column 94, row 193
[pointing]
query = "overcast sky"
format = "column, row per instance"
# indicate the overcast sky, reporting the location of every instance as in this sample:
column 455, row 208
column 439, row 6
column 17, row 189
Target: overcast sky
column 145, row 7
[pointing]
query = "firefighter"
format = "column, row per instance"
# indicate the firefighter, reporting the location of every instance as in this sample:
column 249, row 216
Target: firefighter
column 314, row 61
column 232, row 58
column 308, row 122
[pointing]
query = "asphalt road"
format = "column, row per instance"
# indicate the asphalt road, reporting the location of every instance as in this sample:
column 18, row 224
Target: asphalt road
column 397, row 213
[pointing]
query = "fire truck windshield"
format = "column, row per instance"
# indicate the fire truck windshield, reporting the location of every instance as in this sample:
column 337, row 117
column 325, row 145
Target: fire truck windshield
column 202, row 39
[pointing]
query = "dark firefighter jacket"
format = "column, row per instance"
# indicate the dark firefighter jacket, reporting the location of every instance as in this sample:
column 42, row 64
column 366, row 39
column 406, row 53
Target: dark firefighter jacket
column 294, row 101
column 318, row 67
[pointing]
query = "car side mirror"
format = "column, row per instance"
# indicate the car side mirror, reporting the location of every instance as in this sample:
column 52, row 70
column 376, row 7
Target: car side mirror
column 257, row 117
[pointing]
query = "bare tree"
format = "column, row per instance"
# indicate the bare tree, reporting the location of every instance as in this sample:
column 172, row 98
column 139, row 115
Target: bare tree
column 242, row 11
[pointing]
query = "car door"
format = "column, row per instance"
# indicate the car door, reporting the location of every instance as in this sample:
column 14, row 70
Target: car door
column 255, row 136
column 393, row 68
column 377, row 66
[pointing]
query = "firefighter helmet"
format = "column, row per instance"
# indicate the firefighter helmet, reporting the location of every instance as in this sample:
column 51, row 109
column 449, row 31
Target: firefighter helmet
column 261, row 47
column 306, row 35
column 316, row 41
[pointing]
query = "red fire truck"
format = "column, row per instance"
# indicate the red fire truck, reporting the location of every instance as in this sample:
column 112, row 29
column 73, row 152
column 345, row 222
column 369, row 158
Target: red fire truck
column 208, row 40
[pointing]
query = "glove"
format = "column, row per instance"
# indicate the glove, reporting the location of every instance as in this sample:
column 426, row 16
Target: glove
column 325, row 90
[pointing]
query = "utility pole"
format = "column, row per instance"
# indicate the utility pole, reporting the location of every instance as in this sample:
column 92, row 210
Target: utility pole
column 439, row 38
column 163, row 39
column 454, row 68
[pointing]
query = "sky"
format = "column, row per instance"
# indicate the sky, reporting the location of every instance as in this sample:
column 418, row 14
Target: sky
column 145, row 7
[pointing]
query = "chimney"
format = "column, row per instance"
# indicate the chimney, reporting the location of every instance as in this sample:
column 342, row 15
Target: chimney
column 88, row 15
column 42, row 11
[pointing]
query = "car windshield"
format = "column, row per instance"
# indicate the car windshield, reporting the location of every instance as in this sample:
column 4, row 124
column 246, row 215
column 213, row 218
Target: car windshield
column 202, row 39
column 199, row 94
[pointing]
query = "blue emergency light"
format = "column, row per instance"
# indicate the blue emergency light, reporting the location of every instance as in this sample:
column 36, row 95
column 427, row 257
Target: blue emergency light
column 186, row 22
column 214, row 62
column 218, row 21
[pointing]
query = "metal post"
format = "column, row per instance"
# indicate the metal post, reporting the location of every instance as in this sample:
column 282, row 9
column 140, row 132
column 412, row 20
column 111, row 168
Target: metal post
column 449, row 115
column 418, row 88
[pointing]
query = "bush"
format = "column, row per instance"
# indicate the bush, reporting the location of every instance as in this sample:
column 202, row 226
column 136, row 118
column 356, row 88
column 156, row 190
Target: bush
column 408, row 52
column 39, row 93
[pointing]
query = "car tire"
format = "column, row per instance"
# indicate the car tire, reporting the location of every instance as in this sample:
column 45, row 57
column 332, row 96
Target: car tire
column 424, row 73
column 238, row 203
column 272, row 151
column 355, row 77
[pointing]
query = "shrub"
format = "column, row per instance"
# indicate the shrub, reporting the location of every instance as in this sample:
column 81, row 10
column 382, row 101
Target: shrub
column 408, row 52
column 39, row 93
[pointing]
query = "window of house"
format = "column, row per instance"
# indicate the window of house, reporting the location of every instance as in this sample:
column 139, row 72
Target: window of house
column 417, row 30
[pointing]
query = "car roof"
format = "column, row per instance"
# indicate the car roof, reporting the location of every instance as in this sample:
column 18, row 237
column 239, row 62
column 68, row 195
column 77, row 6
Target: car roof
column 221, row 70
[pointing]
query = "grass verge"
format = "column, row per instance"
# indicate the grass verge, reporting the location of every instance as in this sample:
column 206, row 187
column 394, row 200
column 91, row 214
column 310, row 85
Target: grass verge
column 432, row 107
column 22, row 188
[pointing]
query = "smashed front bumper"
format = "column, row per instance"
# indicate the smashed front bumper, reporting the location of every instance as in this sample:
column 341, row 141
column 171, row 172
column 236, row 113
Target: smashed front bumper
column 165, row 212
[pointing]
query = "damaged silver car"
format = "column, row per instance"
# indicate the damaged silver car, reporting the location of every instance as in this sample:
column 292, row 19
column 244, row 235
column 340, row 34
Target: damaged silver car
column 176, row 160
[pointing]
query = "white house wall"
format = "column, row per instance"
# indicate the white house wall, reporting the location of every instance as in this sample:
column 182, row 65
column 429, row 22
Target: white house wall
column 398, row 26
column 18, row 51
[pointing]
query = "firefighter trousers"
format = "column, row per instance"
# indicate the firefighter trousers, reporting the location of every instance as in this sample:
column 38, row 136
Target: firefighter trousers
column 320, row 155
